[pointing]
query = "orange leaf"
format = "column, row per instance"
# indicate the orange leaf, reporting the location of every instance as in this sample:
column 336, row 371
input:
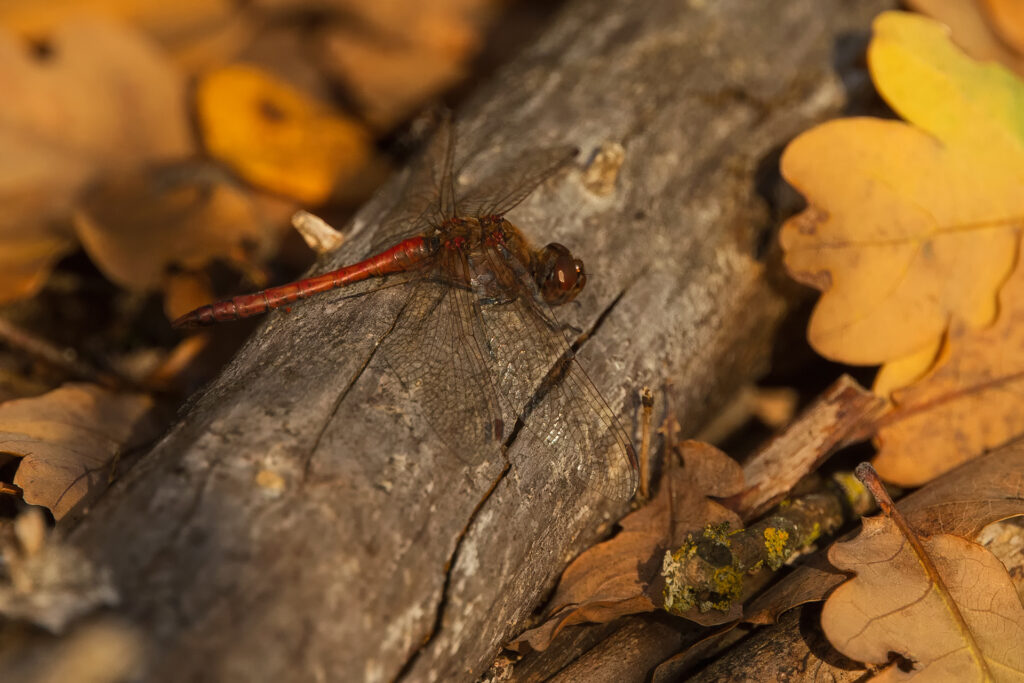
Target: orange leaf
column 275, row 136
column 1007, row 19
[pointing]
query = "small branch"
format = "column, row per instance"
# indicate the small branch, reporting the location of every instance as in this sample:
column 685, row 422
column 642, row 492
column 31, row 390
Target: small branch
column 66, row 359
column 647, row 405
column 709, row 571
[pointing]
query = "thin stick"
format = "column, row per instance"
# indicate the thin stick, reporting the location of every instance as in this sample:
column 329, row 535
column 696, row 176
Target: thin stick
column 647, row 403
column 64, row 359
column 10, row 489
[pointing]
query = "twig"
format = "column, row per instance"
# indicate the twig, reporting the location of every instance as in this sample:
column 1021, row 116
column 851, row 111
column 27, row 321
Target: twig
column 647, row 404
column 66, row 359
column 708, row 571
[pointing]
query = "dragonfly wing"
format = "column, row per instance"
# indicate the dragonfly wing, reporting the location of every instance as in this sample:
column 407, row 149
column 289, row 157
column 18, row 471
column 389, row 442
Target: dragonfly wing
column 513, row 182
column 566, row 413
column 421, row 202
column 438, row 352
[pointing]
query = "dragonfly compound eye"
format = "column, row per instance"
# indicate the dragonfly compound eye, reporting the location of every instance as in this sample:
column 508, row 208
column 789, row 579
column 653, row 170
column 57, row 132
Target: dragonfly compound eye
column 560, row 277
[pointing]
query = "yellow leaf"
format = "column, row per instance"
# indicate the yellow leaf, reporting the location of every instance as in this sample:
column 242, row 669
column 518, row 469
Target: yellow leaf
column 906, row 370
column 910, row 227
column 276, row 137
column 66, row 440
column 928, row 81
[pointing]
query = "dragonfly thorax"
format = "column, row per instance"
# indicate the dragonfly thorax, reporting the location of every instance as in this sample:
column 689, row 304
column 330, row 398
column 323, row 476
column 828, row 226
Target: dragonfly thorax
column 558, row 275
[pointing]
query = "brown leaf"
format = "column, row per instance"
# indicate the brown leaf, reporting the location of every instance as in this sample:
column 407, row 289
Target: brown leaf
column 414, row 51
column 391, row 81
column 943, row 602
column 961, row 502
column 973, row 400
column 100, row 97
column 67, row 438
column 613, row 578
column 136, row 226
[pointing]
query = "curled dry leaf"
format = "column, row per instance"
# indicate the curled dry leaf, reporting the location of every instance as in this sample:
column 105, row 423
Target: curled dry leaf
column 614, row 578
column 909, row 226
column 275, row 136
column 135, row 227
column 961, row 502
column 987, row 30
column 102, row 97
column 972, row 401
column 67, row 439
column 943, row 602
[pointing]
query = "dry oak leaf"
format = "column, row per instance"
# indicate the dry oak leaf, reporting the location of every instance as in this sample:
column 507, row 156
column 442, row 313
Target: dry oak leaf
column 66, row 440
column 612, row 579
column 277, row 137
column 944, row 602
column 909, row 226
column 135, row 227
column 101, row 97
column 972, row 401
column 987, row 30
column 962, row 502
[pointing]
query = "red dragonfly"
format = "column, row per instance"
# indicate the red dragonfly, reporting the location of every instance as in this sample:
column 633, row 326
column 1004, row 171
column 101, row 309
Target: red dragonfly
column 477, row 341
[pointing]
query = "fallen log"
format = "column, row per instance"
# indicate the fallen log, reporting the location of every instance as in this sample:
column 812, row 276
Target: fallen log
column 301, row 522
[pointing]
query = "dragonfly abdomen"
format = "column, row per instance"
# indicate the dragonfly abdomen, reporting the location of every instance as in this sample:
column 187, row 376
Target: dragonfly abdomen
column 405, row 255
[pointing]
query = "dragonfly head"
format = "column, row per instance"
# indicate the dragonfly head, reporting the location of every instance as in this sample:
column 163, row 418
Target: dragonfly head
column 560, row 277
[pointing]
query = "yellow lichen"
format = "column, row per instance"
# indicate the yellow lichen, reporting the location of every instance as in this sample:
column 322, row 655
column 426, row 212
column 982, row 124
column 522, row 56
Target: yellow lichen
column 727, row 585
column 719, row 533
column 775, row 545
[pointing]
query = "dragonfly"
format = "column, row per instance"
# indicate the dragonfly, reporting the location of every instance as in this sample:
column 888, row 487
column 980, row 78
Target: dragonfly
column 476, row 339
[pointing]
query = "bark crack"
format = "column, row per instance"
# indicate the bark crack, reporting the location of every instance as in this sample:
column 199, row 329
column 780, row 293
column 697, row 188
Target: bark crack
column 449, row 569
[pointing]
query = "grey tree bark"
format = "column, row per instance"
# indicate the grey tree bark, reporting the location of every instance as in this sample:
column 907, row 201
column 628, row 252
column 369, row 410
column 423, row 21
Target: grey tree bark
column 301, row 522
